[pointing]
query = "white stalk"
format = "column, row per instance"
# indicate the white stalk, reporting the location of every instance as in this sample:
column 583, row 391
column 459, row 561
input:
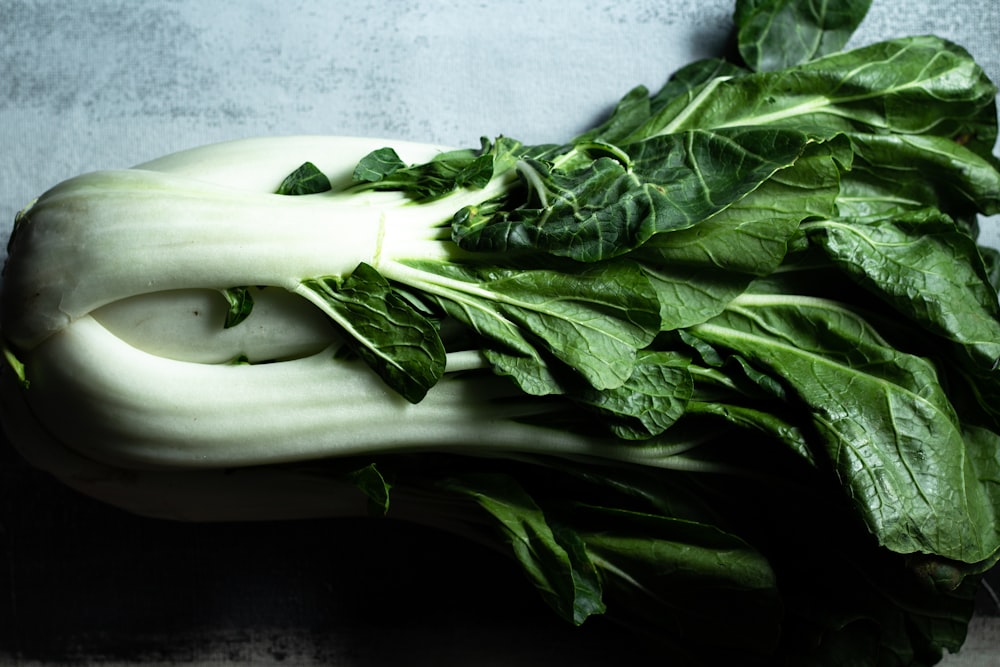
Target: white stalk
column 188, row 325
column 120, row 405
column 259, row 164
column 112, row 235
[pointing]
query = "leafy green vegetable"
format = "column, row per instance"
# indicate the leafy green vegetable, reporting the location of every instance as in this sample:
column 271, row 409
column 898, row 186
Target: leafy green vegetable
column 393, row 337
column 306, row 180
column 729, row 358
column 608, row 207
column 905, row 484
column 776, row 34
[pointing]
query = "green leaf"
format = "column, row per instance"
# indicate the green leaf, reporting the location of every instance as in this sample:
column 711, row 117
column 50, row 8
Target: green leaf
column 630, row 113
column 553, row 559
column 888, row 429
column 686, row 83
column 371, row 482
column 911, row 85
column 920, row 171
column 393, row 338
column 16, row 366
column 682, row 96
column 928, row 271
column 606, row 209
column 698, row 271
column 650, row 401
column 664, row 572
column 593, row 319
column 382, row 169
column 240, row 302
column 775, row 34
column 378, row 165
column 306, row 180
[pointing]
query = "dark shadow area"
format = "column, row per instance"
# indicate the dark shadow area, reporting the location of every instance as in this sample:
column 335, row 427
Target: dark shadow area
column 84, row 582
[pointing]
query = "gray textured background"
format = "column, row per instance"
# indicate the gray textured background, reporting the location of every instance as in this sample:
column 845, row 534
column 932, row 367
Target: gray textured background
column 90, row 84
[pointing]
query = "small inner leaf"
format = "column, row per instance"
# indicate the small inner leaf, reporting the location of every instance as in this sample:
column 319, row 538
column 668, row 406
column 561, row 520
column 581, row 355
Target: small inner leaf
column 306, row 180
column 399, row 343
column 377, row 165
column 240, row 305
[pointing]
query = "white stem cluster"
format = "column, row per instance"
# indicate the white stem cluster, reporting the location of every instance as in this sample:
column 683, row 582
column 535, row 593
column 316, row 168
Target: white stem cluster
column 111, row 302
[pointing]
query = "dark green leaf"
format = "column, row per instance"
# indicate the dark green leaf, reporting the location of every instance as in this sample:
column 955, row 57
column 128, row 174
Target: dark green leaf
column 889, row 430
column 630, row 113
column 650, row 401
column 912, row 85
column 306, row 180
column 377, row 165
column 685, row 84
column 605, row 208
column 398, row 342
column 371, row 482
column 930, row 272
column 563, row 576
column 920, row 171
column 698, row 271
column 776, row 34
column 664, row 572
column 461, row 168
column 682, row 95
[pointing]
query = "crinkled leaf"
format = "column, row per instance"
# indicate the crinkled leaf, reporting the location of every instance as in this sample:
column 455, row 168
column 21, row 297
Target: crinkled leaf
column 607, row 208
column 698, row 271
column 930, row 272
column 650, row 401
column 889, row 430
column 941, row 172
column 393, row 338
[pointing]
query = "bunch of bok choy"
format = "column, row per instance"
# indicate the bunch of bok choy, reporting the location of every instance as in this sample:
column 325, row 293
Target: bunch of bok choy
column 728, row 359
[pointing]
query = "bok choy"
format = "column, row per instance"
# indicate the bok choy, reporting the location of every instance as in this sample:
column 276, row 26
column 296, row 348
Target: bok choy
column 727, row 359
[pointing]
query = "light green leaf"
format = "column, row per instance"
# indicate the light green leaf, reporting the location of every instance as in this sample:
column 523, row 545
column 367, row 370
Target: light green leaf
column 240, row 302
